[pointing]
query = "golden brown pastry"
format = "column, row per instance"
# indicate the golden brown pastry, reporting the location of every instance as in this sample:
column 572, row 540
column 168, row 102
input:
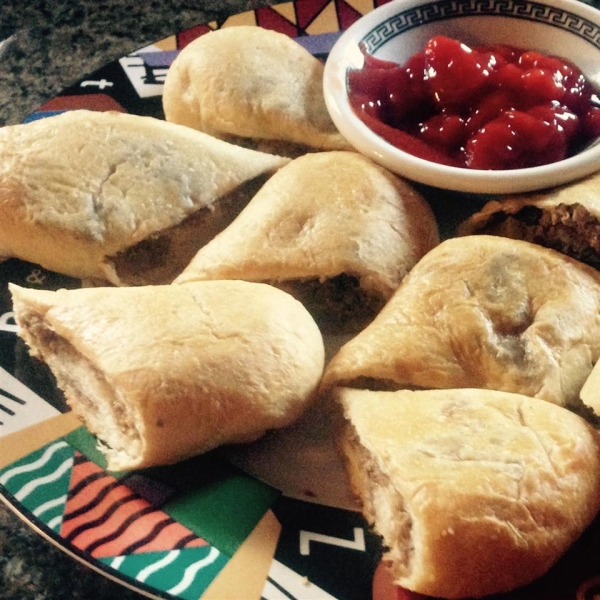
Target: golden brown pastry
column 483, row 312
column 118, row 197
column 565, row 218
column 332, row 228
column 474, row 492
column 161, row 373
column 253, row 83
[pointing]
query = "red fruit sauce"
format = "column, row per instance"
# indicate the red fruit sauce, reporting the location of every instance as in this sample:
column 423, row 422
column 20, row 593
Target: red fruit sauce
column 488, row 107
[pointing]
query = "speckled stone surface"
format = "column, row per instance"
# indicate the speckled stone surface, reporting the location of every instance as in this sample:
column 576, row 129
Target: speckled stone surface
column 47, row 45
column 50, row 44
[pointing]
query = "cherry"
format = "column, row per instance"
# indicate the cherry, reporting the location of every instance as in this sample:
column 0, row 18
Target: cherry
column 445, row 131
column 448, row 62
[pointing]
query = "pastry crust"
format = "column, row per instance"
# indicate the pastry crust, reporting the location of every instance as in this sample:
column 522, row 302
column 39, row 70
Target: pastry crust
column 322, row 217
column 80, row 189
column 474, row 492
column 485, row 312
column 161, row 373
column 565, row 218
column 253, row 83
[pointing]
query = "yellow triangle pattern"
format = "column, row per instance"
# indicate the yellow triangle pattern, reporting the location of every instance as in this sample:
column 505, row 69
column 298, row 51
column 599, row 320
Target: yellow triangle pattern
column 246, row 18
column 326, row 22
column 362, row 6
column 168, row 43
column 287, row 11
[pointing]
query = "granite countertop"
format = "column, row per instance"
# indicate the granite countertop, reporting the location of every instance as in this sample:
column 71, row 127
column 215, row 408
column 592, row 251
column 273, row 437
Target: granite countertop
column 46, row 46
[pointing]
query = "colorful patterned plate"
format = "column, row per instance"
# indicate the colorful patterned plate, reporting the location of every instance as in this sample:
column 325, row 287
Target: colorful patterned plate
column 274, row 520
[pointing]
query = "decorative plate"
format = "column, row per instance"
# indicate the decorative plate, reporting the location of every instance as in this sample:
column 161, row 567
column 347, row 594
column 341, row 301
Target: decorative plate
column 274, row 520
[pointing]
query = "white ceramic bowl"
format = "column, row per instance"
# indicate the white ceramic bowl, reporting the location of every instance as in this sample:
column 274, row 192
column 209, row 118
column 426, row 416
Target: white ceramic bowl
column 401, row 28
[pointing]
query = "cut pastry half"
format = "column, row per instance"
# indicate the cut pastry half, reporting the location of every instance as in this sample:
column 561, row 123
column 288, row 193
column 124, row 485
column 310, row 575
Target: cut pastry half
column 485, row 312
column 332, row 228
column 252, row 86
column 119, row 197
column 474, row 492
column 566, row 219
column 161, row 373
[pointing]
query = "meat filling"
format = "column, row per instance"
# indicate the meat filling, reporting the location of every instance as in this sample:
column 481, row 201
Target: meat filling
column 569, row 229
column 337, row 304
column 159, row 258
column 278, row 147
column 383, row 506
column 373, row 383
column 87, row 392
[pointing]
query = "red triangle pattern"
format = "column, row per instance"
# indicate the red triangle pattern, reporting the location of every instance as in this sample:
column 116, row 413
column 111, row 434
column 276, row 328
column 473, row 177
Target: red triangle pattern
column 99, row 102
column 347, row 15
column 308, row 10
column 268, row 18
column 103, row 517
column 189, row 35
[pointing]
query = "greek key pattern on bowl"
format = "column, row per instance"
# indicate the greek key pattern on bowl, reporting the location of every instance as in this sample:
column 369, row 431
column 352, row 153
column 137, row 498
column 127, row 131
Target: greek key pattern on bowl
column 453, row 9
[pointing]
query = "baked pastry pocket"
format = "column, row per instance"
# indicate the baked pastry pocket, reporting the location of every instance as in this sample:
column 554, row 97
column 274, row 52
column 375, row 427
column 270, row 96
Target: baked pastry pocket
column 565, row 218
column 482, row 312
column 252, row 86
column 474, row 492
column 333, row 229
column 161, row 373
column 117, row 197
